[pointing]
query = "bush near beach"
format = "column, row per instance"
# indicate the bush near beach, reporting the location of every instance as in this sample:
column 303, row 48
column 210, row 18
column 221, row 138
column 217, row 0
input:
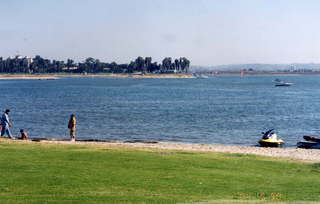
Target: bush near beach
column 59, row 173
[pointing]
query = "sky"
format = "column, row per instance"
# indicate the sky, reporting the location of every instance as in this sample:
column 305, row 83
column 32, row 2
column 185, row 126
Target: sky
column 207, row 32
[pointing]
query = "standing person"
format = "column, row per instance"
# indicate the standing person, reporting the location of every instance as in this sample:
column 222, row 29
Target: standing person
column 72, row 127
column 6, row 124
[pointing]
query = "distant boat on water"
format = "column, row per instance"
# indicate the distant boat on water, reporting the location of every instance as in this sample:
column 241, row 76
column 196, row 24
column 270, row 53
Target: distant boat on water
column 282, row 83
column 200, row 76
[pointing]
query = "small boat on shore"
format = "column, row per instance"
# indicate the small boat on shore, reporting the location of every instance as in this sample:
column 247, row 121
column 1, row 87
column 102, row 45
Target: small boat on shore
column 269, row 139
column 312, row 138
column 312, row 142
column 308, row 145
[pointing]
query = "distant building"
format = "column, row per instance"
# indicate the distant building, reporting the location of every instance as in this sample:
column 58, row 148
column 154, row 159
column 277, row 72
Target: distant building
column 29, row 60
column 69, row 68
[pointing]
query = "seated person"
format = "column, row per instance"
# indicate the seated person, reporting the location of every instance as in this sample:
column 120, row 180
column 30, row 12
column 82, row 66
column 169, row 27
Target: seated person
column 269, row 135
column 24, row 135
column 273, row 136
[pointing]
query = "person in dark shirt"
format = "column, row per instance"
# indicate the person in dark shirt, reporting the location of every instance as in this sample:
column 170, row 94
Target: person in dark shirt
column 24, row 135
column 72, row 126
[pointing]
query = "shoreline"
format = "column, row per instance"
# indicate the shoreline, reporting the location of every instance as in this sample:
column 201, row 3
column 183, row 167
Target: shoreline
column 58, row 76
column 28, row 76
column 294, row 154
column 137, row 76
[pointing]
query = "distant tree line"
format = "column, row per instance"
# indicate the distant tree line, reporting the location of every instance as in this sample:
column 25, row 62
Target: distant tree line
column 38, row 64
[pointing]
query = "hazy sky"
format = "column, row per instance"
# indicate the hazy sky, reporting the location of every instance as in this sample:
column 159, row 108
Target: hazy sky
column 208, row 32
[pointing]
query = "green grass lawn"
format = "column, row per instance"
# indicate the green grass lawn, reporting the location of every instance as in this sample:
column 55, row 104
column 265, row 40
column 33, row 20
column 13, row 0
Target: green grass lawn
column 52, row 173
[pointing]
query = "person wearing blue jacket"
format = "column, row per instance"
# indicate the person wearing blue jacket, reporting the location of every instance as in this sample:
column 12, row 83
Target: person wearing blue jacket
column 6, row 124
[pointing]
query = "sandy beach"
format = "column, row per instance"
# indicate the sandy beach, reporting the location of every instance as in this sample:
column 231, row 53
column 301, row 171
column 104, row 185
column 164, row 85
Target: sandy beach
column 107, row 75
column 148, row 76
column 135, row 76
column 296, row 154
column 28, row 76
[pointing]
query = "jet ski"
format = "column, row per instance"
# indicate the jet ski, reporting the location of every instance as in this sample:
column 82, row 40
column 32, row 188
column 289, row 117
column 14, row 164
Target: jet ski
column 308, row 145
column 311, row 138
column 312, row 142
column 269, row 139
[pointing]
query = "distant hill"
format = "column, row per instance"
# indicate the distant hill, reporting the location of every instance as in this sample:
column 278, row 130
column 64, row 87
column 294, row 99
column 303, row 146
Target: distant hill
column 259, row 67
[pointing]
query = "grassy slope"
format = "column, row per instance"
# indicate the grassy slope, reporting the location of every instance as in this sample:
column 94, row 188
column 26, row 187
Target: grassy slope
column 38, row 173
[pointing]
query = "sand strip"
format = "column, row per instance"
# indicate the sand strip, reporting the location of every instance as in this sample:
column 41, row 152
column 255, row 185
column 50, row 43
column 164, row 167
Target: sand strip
column 106, row 75
column 33, row 77
column 306, row 155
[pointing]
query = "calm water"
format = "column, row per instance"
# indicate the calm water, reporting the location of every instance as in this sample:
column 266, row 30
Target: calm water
column 218, row 110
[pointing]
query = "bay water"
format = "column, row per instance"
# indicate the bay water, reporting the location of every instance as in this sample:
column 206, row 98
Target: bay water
column 228, row 110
